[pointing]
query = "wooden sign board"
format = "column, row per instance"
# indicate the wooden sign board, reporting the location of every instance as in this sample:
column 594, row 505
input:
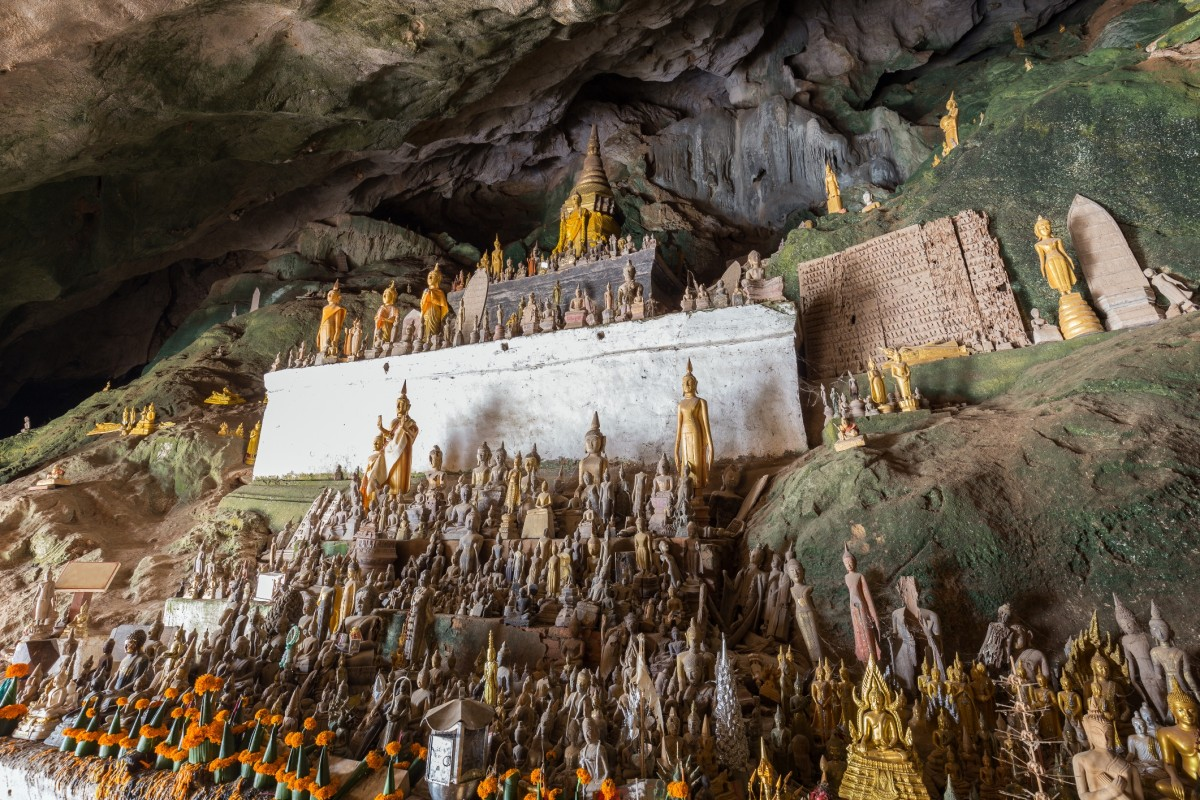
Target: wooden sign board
column 87, row 576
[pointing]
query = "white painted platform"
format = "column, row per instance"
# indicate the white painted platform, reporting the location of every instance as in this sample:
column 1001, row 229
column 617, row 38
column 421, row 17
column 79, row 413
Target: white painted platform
column 543, row 389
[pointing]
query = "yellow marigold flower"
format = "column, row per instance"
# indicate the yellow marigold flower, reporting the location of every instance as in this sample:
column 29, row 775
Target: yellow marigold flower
column 374, row 761
column 583, row 776
column 392, row 749
column 294, row 739
column 530, row 796
column 18, row 670
column 487, row 787
column 677, row 790
column 536, row 776
column 121, row 701
column 310, row 724
column 141, row 705
column 276, row 719
column 553, row 794
column 324, row 738
column 91, row 712
column 171, row 693
column 509, row 774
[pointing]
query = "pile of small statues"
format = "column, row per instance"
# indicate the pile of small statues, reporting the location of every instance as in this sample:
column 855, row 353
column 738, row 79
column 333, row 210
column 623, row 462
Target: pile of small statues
column 627, row 653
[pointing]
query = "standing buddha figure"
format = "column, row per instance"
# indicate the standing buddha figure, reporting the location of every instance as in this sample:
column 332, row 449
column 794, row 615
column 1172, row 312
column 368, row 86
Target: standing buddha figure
column 875, row 381
column 693, row 437
column 1075, row 316
column 332, row 318
column 833, row 192
column 497, row 260
column 434, row 306
column 401, row 434
column 387, row 316
column 949, row 126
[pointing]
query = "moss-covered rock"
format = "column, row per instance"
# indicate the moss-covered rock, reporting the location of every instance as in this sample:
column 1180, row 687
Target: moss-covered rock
column 1077, row 481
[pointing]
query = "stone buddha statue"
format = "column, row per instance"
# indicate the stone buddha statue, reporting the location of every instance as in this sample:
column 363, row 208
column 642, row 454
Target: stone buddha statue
column 401, row 434
column 594, row 463
column 629, row 294
column 588, row 217
column 481, row 475
column 1101, row 773
column 332, row 317
column 434, row 306
column 131, row 667
column 386, row 317
column 693, row 437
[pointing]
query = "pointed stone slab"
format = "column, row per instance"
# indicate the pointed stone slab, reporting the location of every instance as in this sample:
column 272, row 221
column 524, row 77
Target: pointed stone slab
column 1119, row 290
column 475, row 299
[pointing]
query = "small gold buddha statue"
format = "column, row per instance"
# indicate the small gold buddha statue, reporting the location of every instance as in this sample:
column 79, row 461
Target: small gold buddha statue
column 224, row 397
column 497, row 260
column 949, row 126
column 1180, row 745
column 693, row 436
column 332, row 317
column 588, row 217
column 1075, row 316
column 833, row 192
column 434, row 306
column 252, row 443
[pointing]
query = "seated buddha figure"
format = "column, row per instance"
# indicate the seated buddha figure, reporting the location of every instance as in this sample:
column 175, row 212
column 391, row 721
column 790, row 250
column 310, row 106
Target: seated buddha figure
column 1180, row 746
column 880, row 752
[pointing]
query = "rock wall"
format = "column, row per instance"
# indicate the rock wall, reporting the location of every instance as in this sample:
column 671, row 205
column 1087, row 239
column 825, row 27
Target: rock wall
column 543, row 390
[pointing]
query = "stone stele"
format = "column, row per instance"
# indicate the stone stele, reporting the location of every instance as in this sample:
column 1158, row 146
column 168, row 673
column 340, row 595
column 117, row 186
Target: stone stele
column 543, row 390
column 1118, row 287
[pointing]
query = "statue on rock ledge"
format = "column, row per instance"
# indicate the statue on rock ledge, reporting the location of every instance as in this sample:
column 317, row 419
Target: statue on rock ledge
column 401, row 434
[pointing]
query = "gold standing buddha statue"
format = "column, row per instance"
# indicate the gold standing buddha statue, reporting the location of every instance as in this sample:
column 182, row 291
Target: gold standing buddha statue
column 881, row 760
column 588, row 216
column 387, row 316
column 434, row 306
column 329, row 334
column 949, row 126
column 833, row 192
column 397, row 452
column 1075, row 316
column 693, row 437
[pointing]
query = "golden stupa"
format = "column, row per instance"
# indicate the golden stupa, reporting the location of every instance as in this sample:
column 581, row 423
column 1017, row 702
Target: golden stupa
column 588, row 216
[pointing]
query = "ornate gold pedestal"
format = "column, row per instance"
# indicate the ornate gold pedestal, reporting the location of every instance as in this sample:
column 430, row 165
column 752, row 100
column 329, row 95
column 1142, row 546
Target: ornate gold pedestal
column 881, row 775
column 1076, row 317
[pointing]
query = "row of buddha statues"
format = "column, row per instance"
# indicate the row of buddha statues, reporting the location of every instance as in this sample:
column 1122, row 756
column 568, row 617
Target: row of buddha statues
column 653, row 656
column 499, row 268
column 434, row 327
